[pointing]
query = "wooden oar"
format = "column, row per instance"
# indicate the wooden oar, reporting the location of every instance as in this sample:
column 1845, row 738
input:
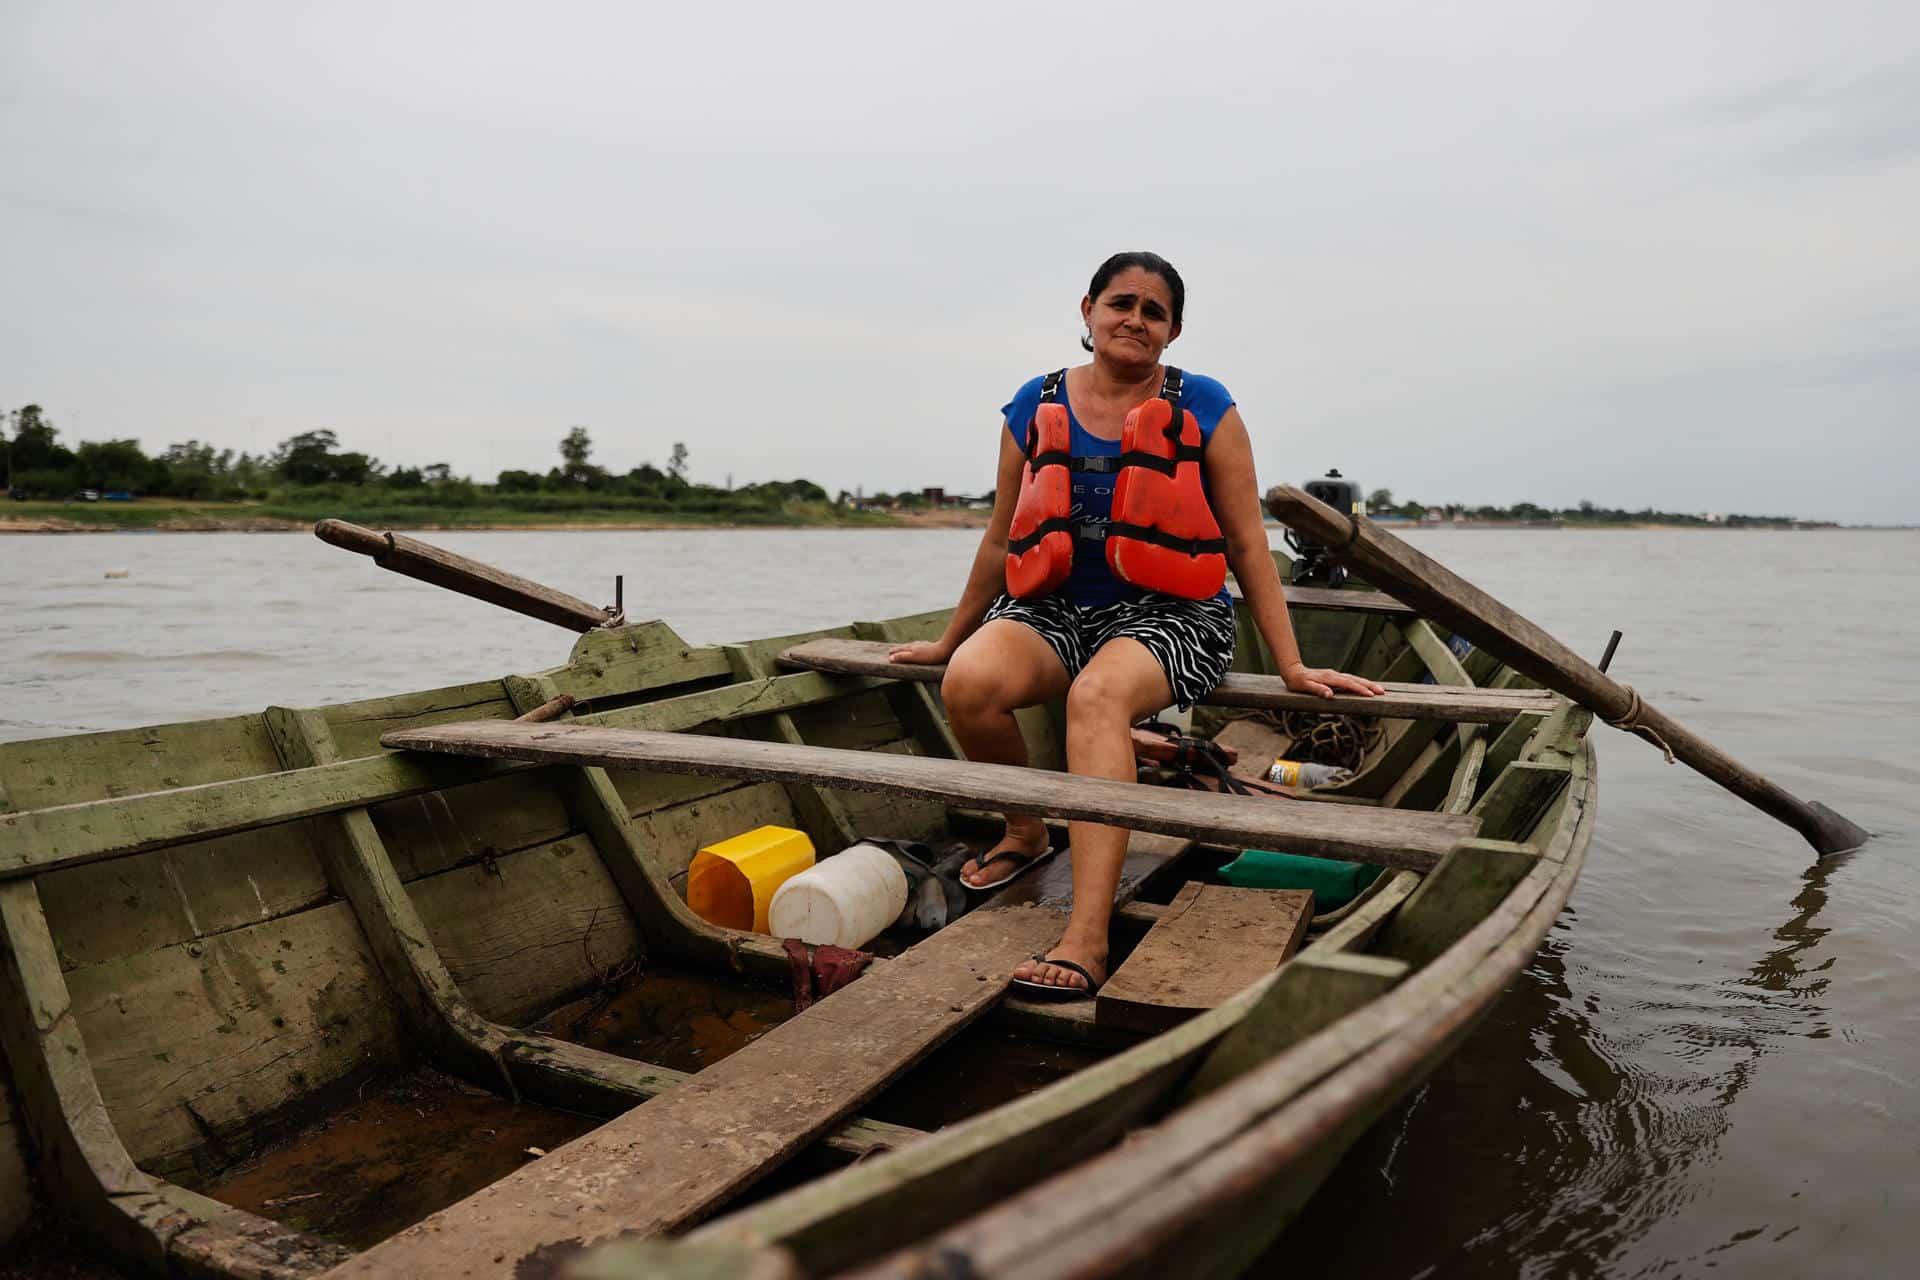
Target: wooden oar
column 469, row 577
column 1443, row 596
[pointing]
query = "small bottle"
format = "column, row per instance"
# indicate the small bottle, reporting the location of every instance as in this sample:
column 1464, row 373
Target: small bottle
column 1295, row 773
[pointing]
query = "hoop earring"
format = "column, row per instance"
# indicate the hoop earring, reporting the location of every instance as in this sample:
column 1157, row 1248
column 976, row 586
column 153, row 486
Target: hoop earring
column 1086, row 339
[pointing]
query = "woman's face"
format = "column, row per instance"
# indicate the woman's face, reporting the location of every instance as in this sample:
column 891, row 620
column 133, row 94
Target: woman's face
column 1132, row 319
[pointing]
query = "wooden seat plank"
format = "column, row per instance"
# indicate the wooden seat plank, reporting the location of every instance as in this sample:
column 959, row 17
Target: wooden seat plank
column 671, row 1160
column 1337, row 600
column 1387, row 837
column 1211, row 944
column 1470, row 705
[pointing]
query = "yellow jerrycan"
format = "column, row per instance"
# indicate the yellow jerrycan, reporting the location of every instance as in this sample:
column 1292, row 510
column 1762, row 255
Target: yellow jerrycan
column 732, row 883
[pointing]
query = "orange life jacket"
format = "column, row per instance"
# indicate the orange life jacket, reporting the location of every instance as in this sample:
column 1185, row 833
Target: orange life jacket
column 1162, row 536
column 1040, row 543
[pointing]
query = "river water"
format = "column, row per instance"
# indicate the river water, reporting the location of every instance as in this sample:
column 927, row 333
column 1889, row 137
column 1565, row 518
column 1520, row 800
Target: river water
column 1712, row 1063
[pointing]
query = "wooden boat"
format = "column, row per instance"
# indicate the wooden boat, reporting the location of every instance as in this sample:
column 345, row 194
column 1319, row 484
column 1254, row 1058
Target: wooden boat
column 219, row 938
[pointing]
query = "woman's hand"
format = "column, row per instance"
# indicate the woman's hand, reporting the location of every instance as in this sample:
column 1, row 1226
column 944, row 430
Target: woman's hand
column 921, row 653
column 1322, row 681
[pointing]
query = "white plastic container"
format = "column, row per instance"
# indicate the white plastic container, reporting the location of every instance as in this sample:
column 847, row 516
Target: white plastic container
column 845, row 900
column 1181, row 720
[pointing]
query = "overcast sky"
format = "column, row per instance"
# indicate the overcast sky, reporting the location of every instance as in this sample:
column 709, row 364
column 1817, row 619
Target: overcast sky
column 1661, row 254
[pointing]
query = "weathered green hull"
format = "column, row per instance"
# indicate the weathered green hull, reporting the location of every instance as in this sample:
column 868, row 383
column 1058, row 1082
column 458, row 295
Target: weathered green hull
column 193, row 970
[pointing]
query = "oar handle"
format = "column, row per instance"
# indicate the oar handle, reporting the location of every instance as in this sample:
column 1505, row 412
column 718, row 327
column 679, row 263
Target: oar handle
column 1446, row 598
column 459, row 573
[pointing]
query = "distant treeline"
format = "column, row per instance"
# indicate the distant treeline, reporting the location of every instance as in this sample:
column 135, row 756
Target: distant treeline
column 1381, row 503
column 310, row 475
column 312, row 470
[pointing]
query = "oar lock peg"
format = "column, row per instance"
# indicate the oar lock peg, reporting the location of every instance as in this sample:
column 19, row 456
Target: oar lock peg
column 617, row 611
column 1606, row 659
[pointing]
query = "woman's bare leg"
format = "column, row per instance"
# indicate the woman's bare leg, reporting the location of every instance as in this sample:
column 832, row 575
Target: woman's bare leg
column 1003, row 666
column 1123, row 684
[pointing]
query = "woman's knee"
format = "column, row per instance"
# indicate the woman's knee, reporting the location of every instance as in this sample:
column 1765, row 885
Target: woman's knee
column 1000, row 669
column 1096, row 697
column 971, row 689
column 1122, row 684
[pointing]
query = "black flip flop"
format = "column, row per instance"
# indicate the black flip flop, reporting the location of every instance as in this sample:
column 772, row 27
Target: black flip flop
column 1053, row 992
column 1022, row 863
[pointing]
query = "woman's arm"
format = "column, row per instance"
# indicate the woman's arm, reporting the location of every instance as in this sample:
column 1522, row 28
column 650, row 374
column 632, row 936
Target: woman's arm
column 1236, row 505
column 988, row 577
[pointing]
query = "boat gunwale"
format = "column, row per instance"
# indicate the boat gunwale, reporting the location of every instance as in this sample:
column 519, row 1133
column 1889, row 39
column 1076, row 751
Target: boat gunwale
column 1191, row 1166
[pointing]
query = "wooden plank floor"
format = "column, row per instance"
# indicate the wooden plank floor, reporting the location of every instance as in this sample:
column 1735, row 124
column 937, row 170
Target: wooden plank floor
column 674, row 1158
column 1212, row 943
column 1389, row 837
column 1462, row 703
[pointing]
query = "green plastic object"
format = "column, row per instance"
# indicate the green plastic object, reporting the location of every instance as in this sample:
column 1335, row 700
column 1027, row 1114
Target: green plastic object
column 1334, row 884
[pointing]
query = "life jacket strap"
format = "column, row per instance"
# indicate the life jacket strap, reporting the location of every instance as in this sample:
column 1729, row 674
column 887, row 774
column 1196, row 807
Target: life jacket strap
column 1165, row 466
column 1049, row 394
column 1020, row 546
column 1169, row 391
column 1159, row 538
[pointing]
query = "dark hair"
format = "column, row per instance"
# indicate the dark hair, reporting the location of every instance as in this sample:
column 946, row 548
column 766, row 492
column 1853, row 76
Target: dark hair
column 1150, row 262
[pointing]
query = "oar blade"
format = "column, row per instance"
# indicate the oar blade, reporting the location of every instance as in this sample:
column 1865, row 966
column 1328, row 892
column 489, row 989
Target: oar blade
column 1835, row 832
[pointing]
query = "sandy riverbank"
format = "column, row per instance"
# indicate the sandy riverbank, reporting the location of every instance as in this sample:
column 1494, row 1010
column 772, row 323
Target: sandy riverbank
column 254, row 524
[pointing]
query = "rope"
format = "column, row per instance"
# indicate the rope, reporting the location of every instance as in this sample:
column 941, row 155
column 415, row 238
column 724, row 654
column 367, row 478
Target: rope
column 1630, row 721
column 1320, row 737
column 1353, row 531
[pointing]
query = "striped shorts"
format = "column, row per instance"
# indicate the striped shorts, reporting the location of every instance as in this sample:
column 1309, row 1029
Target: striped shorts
column 1192, row 640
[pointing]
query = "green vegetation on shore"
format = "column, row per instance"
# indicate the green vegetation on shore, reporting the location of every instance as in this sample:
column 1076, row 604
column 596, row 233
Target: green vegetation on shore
column 297, row 509
column 1381, row 506
column 115, row 484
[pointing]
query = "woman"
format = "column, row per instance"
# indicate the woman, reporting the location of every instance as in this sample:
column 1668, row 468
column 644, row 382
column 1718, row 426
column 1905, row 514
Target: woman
column 1119, row 653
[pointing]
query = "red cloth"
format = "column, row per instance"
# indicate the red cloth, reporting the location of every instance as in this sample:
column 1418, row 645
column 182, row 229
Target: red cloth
column 800, row 964
column 835, row 967
column 818, row 972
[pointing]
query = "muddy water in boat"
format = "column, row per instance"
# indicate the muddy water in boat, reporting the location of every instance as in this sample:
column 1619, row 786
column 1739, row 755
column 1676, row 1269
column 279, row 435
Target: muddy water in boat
column 1712, row 1062
column 387, row 1160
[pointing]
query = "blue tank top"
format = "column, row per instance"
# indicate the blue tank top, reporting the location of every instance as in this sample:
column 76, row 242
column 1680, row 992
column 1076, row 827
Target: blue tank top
column 1092, row 584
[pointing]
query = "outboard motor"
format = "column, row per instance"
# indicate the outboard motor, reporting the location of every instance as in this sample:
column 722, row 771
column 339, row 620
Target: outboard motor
column 1313, row 564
